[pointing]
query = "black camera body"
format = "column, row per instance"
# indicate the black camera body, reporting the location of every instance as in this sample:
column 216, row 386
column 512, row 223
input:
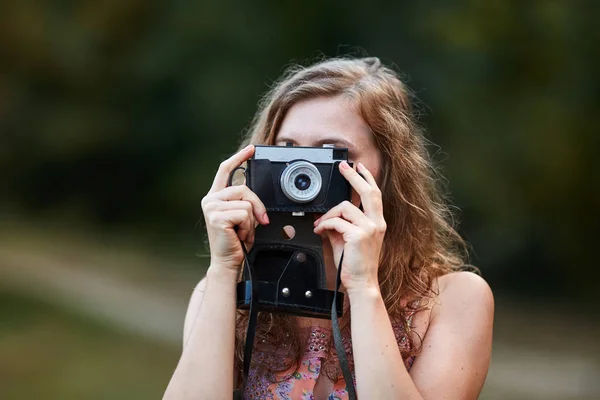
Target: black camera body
column 298, row 179
column 287, row 274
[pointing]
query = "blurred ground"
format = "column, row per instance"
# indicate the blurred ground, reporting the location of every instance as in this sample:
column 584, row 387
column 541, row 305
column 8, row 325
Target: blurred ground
column 105, row 322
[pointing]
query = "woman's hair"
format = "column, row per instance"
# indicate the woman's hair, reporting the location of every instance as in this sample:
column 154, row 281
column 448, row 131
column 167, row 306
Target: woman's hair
column 420, row 242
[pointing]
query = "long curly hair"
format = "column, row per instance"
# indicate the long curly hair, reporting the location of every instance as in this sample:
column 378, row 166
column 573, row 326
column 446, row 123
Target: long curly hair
column 421, row 243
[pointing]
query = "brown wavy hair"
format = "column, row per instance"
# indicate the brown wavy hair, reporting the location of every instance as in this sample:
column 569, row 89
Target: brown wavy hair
column 420, row 242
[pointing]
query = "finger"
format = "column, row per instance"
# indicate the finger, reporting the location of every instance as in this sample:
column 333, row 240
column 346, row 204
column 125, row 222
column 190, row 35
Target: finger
column 250, row 239
column 356, row 181
column 227, row 167
column 244, row 230
column 233, row 205
column 345, row 210
column 239, row 218
column 336, row 224
column 367, row 189
column 242, row 192
column 367, row 175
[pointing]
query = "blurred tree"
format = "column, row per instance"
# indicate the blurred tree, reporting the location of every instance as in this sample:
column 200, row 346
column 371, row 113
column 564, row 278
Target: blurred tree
column 118, row 112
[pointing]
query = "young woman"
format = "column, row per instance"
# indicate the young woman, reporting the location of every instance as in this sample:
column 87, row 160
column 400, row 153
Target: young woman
column 419, row 327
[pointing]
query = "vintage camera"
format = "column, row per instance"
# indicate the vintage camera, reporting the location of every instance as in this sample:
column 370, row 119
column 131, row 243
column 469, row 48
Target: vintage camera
column 288, row 274
column 298, row 179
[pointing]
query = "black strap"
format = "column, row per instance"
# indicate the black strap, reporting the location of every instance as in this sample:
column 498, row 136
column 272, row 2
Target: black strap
column 337, row 337
column 250, row 330
column 253, row 313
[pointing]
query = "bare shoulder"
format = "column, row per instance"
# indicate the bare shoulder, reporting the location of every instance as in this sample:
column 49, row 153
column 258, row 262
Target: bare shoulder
column 464, row 294
column 457, row 346
column 467, row 283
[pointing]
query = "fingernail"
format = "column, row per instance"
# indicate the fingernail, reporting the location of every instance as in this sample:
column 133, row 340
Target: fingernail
column 265, row 218
column 344, row 165
column 361, row 166
column 317, row 221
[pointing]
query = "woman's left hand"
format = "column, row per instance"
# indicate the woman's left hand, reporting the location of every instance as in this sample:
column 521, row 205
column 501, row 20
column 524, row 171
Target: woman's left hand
column 358, row 234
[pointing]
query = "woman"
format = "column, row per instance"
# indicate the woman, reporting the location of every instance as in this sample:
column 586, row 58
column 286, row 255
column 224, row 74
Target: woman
column 420, row 328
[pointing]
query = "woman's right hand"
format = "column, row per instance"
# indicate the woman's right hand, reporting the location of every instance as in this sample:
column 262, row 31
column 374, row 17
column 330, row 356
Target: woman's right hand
column 225, row 208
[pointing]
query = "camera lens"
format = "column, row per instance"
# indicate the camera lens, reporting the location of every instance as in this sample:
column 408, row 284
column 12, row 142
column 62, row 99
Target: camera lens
column 302, row 182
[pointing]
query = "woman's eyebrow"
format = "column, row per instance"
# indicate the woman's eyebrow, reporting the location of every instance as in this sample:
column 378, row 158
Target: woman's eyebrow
column 338, row 142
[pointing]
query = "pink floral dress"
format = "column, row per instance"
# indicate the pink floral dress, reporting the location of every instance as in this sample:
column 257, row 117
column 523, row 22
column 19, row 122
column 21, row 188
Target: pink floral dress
column 299, row 384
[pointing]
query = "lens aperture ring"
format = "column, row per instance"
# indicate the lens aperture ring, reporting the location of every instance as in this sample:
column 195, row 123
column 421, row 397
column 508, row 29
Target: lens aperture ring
column 301, row 182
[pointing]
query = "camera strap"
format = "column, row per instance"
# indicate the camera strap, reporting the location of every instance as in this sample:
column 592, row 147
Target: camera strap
column 337, row 337
column 250, row 330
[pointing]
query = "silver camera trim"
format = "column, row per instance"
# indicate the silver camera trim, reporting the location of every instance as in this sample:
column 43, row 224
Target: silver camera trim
column 291, row 172
column 322, row 155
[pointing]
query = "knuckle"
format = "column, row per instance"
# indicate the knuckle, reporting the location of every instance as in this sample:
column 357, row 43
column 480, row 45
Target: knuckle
column 208, row 208
column 228, row 165
column 248, row 207
column 244, row 192
column 224, row 165
column 212, row 220
column 206, row 202
column 345, row 204
column 247, row 193
column 371, row 228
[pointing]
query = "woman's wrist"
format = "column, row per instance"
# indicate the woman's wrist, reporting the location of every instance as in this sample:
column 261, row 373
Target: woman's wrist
column 364, row 292
column 221, row 274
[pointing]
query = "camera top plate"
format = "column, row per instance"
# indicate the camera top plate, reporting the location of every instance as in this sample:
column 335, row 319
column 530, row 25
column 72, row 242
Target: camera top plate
column 281, row 178
column 317, row 155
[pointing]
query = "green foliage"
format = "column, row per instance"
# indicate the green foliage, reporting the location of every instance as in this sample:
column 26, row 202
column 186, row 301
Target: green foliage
column 119, row 111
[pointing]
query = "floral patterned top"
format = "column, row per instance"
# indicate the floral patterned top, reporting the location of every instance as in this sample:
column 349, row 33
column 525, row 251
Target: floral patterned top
column 299, row 384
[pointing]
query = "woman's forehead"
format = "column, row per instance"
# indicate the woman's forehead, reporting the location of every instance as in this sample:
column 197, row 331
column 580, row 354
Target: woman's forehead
column 323, row 120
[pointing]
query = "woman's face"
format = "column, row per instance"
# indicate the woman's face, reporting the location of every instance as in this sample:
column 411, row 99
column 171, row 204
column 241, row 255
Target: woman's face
column 331, row 120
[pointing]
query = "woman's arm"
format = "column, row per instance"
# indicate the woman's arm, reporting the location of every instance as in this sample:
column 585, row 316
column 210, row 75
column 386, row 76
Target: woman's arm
column 456, row 350
column 458, row 344
column 231, row 213
column 379, row 369
column 205, row 369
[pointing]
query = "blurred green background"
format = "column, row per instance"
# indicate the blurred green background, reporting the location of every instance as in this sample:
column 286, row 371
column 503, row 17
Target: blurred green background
column 114, row 116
